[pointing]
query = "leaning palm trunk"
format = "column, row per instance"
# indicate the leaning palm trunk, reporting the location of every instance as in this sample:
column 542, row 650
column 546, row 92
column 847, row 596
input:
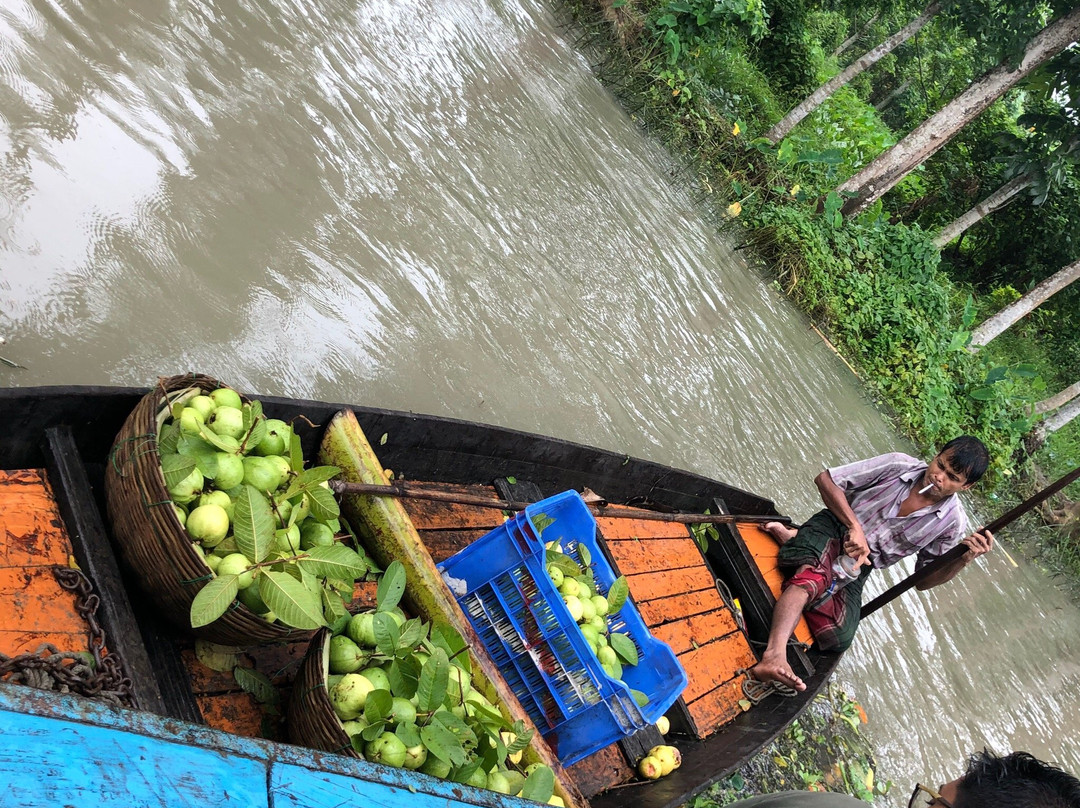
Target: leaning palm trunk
column 851, row 40
column 1001, row 321
column 1034, row 440
column 893, row 165
column 815, row 99
column 997, row 200
column 1064, row 397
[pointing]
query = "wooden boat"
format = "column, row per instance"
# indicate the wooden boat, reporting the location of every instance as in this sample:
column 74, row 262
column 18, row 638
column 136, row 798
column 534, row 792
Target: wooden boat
column 52, row 463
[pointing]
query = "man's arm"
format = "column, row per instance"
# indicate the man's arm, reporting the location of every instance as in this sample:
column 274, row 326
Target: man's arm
column 978, row 544
column 833, row 496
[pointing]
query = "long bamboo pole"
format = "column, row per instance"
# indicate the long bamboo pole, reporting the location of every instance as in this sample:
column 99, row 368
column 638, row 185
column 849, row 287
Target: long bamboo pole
column 957, row 552
column 400, row 489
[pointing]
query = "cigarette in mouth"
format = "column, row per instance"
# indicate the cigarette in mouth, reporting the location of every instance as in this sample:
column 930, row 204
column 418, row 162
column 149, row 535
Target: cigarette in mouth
column 924, row 490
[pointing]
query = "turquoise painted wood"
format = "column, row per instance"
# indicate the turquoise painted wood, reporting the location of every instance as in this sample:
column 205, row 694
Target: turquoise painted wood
column 58, row 750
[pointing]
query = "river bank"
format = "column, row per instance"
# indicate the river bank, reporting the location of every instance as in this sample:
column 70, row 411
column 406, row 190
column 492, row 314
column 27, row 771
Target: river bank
column 874, row 288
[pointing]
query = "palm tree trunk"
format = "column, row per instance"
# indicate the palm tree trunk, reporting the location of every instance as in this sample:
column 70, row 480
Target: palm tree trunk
column 997, row 200
column 894, row 164
column 1061, row 417
column 899, row 91
column 814, row 100
column 1001, row 321
column 1064, row 397
column 847, row 43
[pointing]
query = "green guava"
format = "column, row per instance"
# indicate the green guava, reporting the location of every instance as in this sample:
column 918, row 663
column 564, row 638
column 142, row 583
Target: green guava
column 259, row 474
column 402, row 712
column 436, row 767
column 387, row 749
column 377, row 676
column 288, row 540
column 230, row 471
column 228, row 421
column 315, row 534
column 225, row 397
column 361, row 629
column 276, row 439
column 345, row 655
column 190, row 421
column 416, row 756
column 349, row 696
column 251, row 598
column 208, row 524
column 237, row 564
column 188, row 488
column 204, row 405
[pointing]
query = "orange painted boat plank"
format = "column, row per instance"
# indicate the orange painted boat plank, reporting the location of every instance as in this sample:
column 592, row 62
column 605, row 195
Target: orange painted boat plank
column 429, row 514
column 683, row 635
column 33, row 600
column 33, row 533
column 441, row 544
column 711, row 665
column 661, row 610
column 619, row 529
column 717, row 707
column 16, row 642
column 670, row 583
column 765, row 550
column 650, row 555
column 237, row 713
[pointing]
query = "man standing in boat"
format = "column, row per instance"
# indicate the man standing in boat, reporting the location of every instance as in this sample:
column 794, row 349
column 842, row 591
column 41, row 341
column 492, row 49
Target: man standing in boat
column 877, row 512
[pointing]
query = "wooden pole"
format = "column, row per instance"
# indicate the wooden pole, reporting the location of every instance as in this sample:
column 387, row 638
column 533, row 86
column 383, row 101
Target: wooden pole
column 957, row 552
column 400, row 489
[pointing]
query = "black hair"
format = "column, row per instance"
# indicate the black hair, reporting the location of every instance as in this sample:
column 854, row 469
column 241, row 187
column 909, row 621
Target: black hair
column 968, row 456
column 1015, row 781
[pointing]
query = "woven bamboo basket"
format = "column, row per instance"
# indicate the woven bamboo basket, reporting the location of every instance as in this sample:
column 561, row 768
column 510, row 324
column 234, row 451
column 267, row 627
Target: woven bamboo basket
column 153, row 544
column 311, row 719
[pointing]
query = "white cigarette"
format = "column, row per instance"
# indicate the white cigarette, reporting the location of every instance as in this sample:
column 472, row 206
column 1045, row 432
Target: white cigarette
column 924, row 490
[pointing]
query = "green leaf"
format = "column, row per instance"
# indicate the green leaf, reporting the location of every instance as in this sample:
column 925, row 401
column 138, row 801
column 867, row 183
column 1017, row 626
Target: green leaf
column 296, row 453
column 253, row 523
column 256, row 683
column 221, row 658
column 513, row 480
column 373, row 731
column 382, row 440
column 412, row 633
column 404, row 675
column 309, row 479
column 379, row 705
column 434, row 680
column 617, row 594
column 391, row 587
column 567, row 566
column 334, row 561
column 168, row 438
column 540, row 785
column 442, row 743
column 446, row 637
column 624, row 647
column 408, row 734
column 1026, row 370
column 213, row 600
column 211, row 437
column 995, row 375
column 290, row 600
column 324, row 506
column 641, row 698
column 387, row 635
column 583, row 552
column 540, row 522
column 254, row 424
column 176, row 468
column 983, row 394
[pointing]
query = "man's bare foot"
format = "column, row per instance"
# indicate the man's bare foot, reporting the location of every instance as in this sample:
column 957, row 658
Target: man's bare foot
column 779, row 531
column 769, row 670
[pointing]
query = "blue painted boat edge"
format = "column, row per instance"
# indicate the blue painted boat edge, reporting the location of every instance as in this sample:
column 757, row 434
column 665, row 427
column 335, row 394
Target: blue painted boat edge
column 21, row 700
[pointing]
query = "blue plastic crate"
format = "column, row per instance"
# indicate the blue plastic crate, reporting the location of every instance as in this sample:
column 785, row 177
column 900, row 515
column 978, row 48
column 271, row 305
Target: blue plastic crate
column 502, row 584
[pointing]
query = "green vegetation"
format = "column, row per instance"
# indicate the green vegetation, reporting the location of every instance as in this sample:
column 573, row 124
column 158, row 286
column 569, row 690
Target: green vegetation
column 823, row 751
column 712, row 77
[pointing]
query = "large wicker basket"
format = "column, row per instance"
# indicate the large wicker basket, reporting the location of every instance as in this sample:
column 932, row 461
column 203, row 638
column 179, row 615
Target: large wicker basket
column 152, row 541
column 311, row 719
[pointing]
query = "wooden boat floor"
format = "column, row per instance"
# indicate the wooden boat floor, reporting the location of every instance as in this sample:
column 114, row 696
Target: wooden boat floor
column 35, row 608
column 765, row 550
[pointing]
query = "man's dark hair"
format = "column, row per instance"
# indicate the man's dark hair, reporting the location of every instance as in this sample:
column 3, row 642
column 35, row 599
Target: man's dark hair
column 968, row 456
column 1015, row 781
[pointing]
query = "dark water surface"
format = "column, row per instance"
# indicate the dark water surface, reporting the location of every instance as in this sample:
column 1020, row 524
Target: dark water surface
column 433, row 206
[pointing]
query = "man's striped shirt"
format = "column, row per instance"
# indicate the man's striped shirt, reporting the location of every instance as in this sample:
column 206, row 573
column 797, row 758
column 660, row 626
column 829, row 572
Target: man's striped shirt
column 875, row 488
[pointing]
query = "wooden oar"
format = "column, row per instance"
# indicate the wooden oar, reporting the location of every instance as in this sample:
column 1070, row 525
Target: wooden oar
column 958, row 551
column 400, row 489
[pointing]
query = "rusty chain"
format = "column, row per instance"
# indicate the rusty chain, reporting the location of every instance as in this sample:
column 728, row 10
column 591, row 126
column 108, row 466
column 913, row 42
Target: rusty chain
column 97, row 674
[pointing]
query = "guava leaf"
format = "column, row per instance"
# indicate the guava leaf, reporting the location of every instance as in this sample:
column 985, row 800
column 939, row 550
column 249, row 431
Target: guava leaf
column 293, row 603
column 404, row 674
column 565, row 564
column 446, row 637
column 373, row 731
column 617, row 594
column 541, row 521
column 324, row 506
column 442, row 742
column 434, row 680
column 254, row 425
column 213, row 600
column 412, row 633
column 408, row 734
column 176, row 469
column 387, row 634
column 212, row 438
column 167, row 438
column 256, row 683
column 221, row 658
column 639, row 697
column 253, row 524
column 391, row 587
column 540, row 785
column 486, row 716
column 522, row 737
column 204, row 454
column 334, row 612
column 334, row 561
column 296, row 453
column 378, row 706
column 462, row 774
column 586, row 556
column 358, row 742
column 624, row 647
column 311, row 478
